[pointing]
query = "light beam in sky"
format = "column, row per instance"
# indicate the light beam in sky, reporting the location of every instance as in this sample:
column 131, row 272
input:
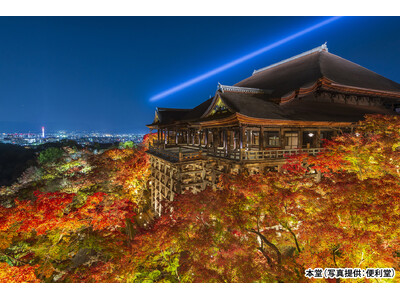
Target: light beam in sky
column 241, row 59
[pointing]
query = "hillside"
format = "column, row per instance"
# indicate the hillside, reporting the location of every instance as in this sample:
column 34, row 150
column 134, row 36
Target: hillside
column 83, row 216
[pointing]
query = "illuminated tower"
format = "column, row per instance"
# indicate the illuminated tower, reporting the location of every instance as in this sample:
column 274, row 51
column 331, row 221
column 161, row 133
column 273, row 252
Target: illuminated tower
column 43, row 132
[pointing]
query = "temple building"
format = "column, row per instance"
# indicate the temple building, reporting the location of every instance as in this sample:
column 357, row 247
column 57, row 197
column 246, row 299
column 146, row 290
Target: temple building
column 253, row 126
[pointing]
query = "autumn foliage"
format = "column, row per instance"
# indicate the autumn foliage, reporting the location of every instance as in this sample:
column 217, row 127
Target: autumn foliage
column 338, row 209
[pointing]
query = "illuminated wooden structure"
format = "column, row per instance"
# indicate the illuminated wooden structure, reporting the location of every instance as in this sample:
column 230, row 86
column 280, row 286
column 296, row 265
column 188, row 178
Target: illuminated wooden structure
column 280, row 110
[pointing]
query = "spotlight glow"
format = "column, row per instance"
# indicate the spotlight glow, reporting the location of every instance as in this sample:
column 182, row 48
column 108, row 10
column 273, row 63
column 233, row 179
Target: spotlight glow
column 241, row 59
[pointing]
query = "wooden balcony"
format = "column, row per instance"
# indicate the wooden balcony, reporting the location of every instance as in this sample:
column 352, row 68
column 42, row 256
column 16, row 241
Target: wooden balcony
column 260, row 154
column 181, row 153
column 176, row 153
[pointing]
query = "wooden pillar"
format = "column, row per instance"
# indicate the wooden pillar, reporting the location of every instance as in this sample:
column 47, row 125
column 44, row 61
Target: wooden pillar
column 250, row 139
column 318, row 138
column 168, row 136
column 241, row 137
column 301, row 132
column 176, row 136
column 199, row 132
column 165, row 136
column 261, row 138
column 206, row 138
column 218, row 137
column 215, row 138
column 234, row 139
column 281, row 138
column 225, row 141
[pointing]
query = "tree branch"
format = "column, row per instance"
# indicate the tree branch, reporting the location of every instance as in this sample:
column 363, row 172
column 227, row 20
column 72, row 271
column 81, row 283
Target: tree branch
column 294, row 237
column 271, row 245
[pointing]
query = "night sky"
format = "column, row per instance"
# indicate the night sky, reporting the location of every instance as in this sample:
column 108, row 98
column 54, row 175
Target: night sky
column 99, row 73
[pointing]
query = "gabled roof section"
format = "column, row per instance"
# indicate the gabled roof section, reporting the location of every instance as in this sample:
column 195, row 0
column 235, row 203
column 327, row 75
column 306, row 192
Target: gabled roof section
column 323, row 47
column 199, row 110
column 238, row 89
column 345, row 72
column 311, row 109
column 309, row 67
column 169, row 115
column 254, row 105
column 221, row 101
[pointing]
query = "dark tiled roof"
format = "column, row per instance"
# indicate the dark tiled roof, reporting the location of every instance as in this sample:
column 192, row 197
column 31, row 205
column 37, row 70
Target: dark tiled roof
column 199, row 110
column 307, row 108
column 169, row 115
column 252, row 105
column 306, row 70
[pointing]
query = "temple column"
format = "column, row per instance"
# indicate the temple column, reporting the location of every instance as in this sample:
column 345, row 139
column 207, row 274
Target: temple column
column 249, row 138
column 234, row 139
column 301, row 132
column 225, row 141
column 261, row 139
column 318, row 138
column 241, row 137
column 215, row 139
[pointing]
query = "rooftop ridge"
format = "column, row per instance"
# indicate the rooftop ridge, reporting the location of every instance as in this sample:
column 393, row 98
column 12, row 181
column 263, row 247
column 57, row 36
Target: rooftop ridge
column 323, row 47
column 171, row 109
column 230, row 88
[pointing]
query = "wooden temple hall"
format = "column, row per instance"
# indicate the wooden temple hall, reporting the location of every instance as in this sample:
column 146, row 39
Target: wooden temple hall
column 252, row 126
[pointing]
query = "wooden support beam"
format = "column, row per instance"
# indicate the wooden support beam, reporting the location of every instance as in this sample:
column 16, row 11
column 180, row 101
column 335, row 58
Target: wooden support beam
column 318, row 144
column 281, row 137
column 301, row 132
column 234, row 139
column 241, row 137
column 225, row 141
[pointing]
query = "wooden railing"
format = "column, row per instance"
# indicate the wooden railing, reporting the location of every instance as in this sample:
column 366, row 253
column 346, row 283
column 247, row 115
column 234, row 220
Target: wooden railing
column 182, row 153
column 177, row 155
column 260, row 154
column 159, row 151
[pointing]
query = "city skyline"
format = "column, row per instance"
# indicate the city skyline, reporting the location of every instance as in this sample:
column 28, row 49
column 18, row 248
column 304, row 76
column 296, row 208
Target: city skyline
column 99, row 74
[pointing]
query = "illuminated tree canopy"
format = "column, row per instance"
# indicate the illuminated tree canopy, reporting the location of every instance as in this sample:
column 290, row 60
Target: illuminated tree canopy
column 86, row 218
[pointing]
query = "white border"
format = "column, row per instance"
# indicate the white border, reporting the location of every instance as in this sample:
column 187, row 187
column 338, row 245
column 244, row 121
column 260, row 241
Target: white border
column 198, row 8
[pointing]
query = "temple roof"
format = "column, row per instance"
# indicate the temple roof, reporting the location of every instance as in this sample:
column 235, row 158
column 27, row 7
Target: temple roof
column 286, row 91
column 199, row 110
column 307, row 69
column 169, row 115
column 307, row 108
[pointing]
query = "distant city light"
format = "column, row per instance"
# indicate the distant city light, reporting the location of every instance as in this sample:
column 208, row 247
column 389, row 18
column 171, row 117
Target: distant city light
column 241, row 59
column 80, row 137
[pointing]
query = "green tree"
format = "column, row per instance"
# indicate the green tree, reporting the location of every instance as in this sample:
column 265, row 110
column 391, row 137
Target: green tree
column 50, row 155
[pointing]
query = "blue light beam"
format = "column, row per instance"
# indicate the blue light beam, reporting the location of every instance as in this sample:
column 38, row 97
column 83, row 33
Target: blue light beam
column 240, row 60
